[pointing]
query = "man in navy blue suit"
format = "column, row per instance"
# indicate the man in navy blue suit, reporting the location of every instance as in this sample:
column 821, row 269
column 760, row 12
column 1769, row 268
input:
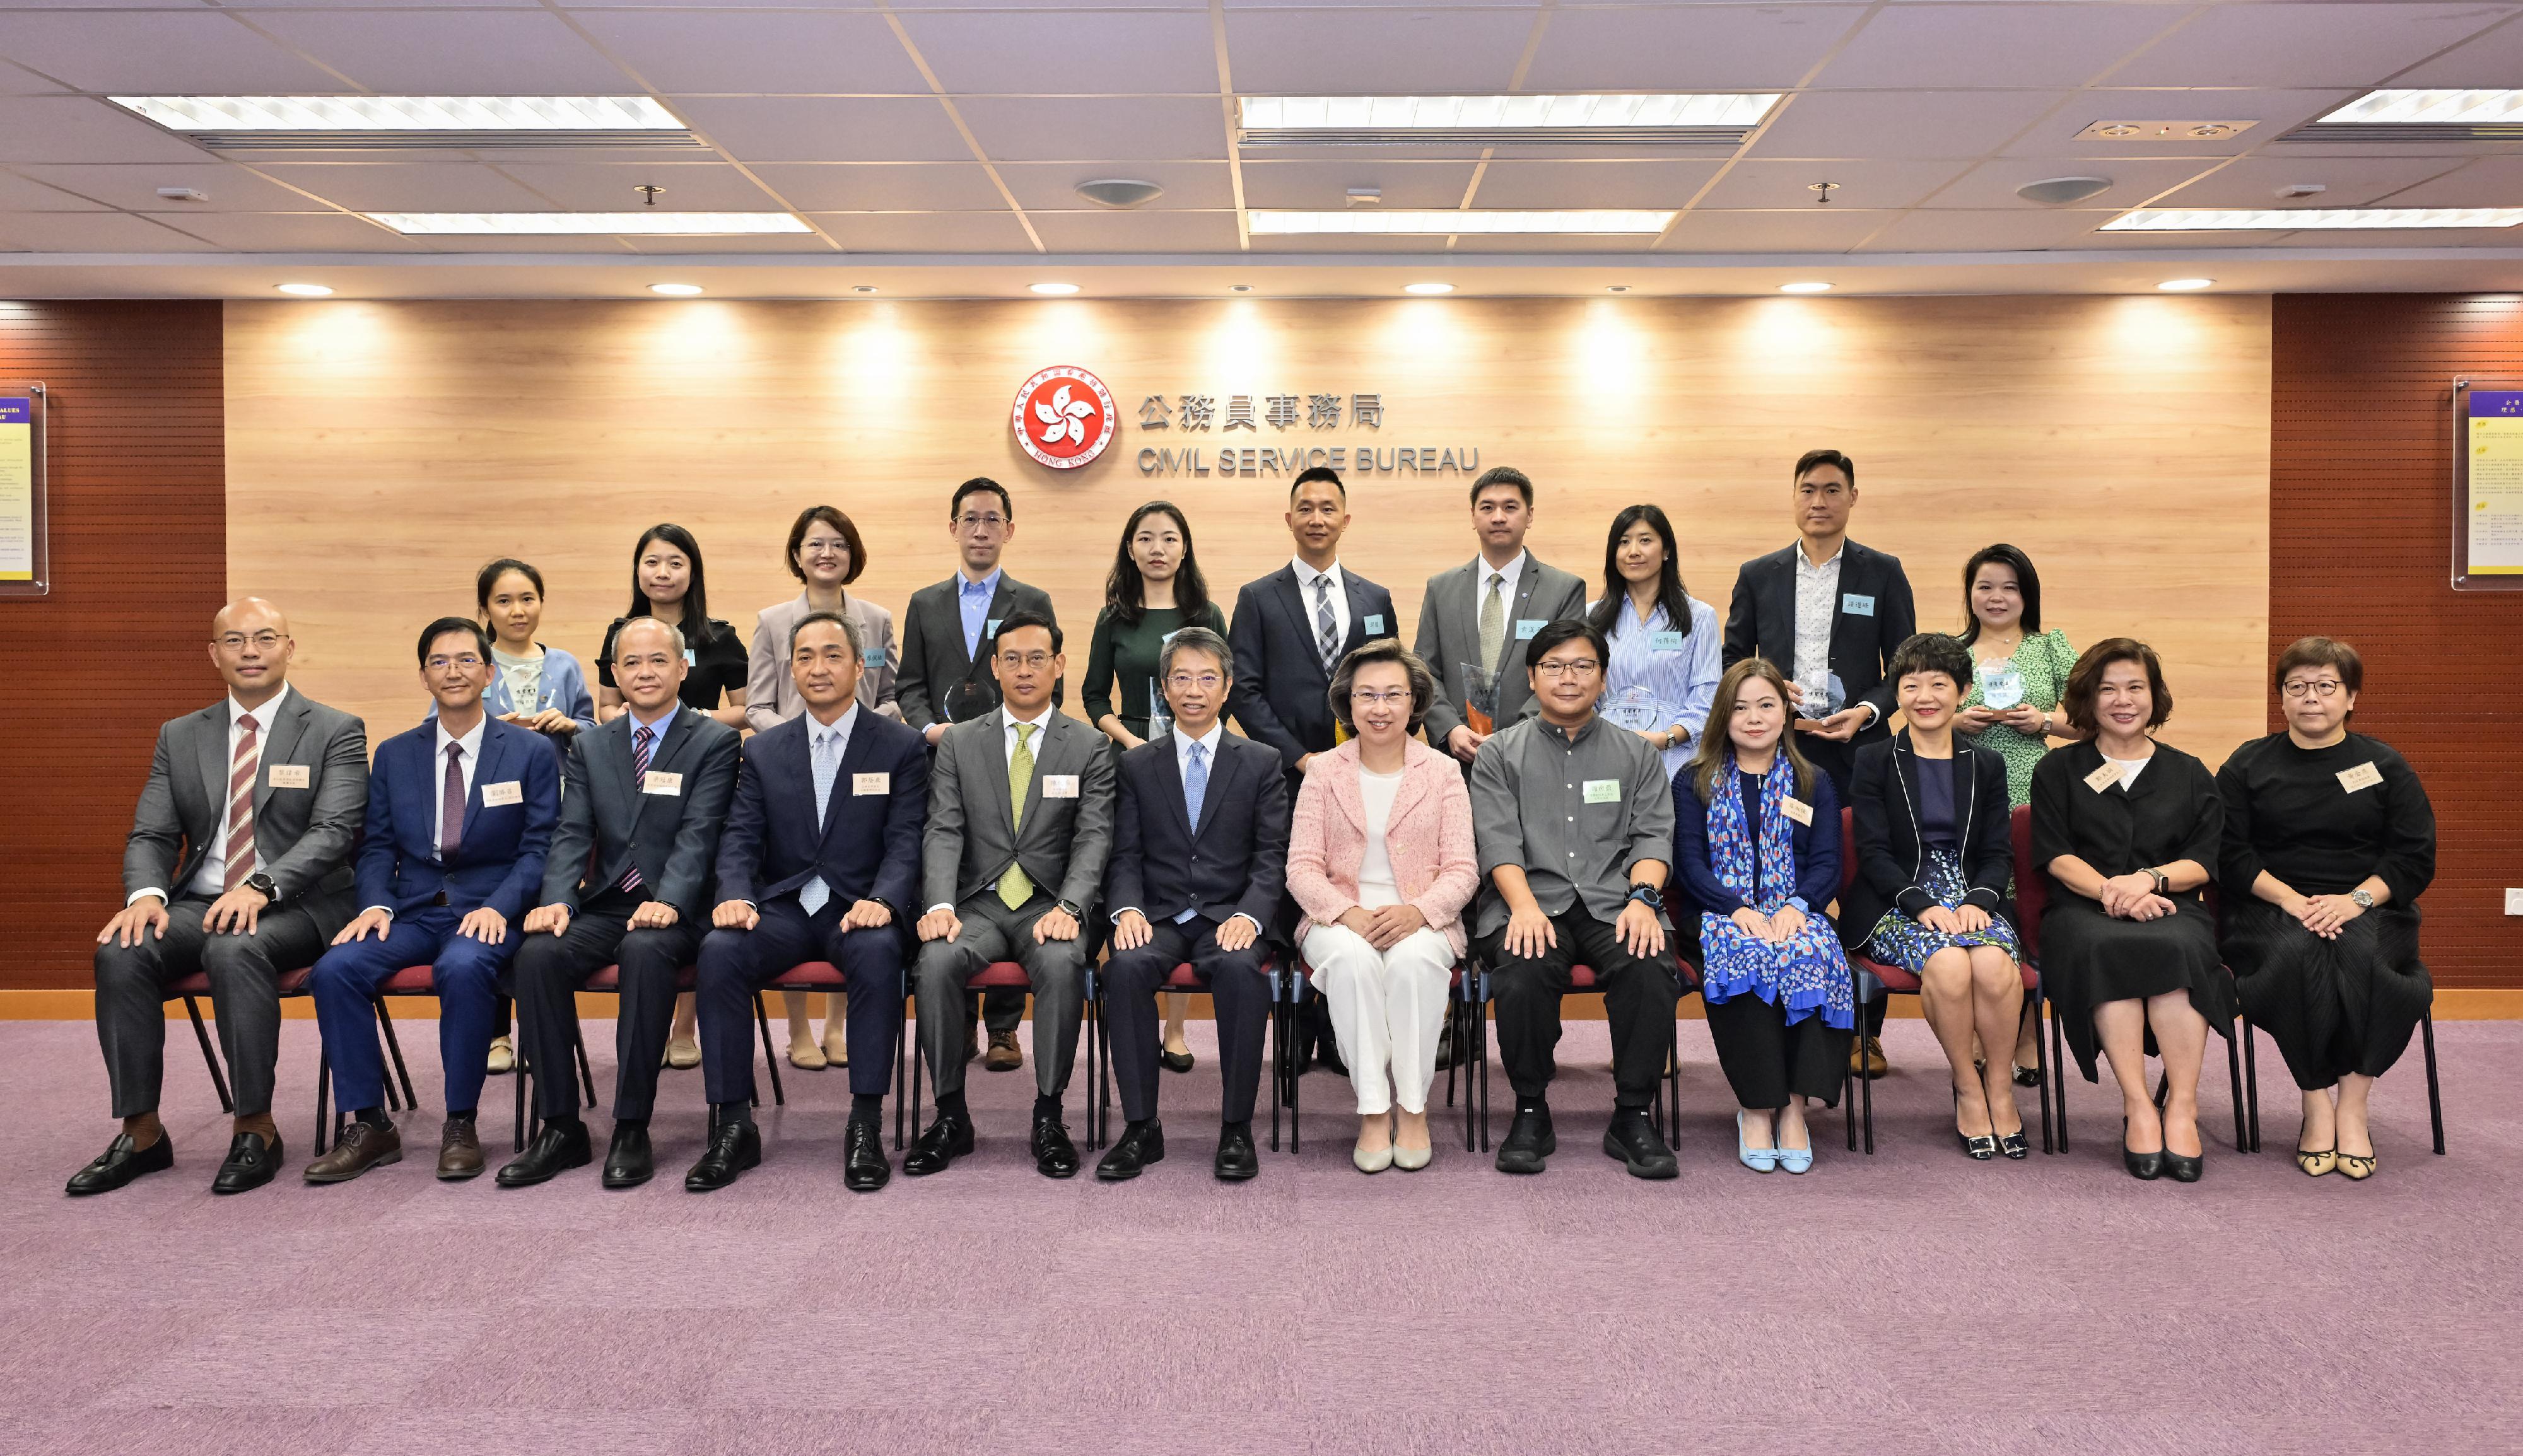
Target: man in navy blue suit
column 819, row 860
column 460, row 816
column 1200, row 854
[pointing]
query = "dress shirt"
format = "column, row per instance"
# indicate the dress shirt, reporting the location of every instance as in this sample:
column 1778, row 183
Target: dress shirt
column 1512, row 572
column 826, row 743
column 1008, row 736
column 972, row 599
column 1817, row 609
column 665, row 721
column 1208, row 743
column 1683, row 680
column 1529, row 810
column 1305, row 576
column 213, row 878
column 468, row 759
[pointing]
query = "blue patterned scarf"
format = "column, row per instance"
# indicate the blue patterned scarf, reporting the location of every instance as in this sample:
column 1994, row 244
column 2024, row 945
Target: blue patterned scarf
column 1807, row 973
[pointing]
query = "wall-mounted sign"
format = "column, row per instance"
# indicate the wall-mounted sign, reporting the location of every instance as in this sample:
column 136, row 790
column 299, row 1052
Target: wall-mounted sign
column 2487, row 488
column 1064, row 417
column 26, row 566
column 1188, row 416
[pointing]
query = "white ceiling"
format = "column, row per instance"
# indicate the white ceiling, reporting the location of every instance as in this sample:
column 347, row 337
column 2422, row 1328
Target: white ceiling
column 935, row 147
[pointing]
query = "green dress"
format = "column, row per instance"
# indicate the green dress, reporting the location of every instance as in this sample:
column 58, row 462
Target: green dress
column 2043, row 662
column 1125, row 657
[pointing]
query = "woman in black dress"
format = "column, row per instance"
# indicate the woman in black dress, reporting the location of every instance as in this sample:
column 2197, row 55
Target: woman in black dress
column 2127, row 829
column 667, row 583
column 2329, row 840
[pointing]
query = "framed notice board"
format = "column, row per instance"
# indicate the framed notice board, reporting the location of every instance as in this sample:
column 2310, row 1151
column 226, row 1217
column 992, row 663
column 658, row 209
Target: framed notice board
column 25, row 563
column 2487, row 485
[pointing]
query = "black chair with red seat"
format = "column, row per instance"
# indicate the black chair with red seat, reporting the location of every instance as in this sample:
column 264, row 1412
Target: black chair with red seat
column 824, row 976
column 997, row 976
column 190, row 989
column 2252, row 1077
column 1475, row 998
column 1293, row 1081
column 2236, row 1048
column 1284, row 994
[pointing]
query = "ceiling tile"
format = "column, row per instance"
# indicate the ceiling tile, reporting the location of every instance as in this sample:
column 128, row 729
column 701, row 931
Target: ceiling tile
column 1427, row 50
column 2493, row 60
column 1812, row 230
column 76, row 128
column 1902, row 123
column 1065, row 52
column 751, row 52
column 904, row 187
column 600, row 187
column 292, row 232
column 18, row 80
column 181, row 51
column 754, row 128
column 1190, row 186
column 1325, row 184
column 2486, row 182
column 231, row 188
column 1915, row 47
column 411, row 187
column 2352, row 181
column 2302, row 45
column 2275, row 112
column 1014, row 128
column 451, row 52
column 1985, row 232
column 1137, row 232
column 1885, row 183
column 927, row 232
column 93, row 232
column 1991, row 184
column 26, row 195
column 1527, row 183
column 1685, row 48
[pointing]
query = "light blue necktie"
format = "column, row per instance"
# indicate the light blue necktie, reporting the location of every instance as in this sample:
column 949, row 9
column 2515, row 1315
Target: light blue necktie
column 814, row 892
column 1195, row 787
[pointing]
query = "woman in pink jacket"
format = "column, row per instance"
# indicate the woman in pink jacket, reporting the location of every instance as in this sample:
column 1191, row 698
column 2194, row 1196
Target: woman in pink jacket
column 1380, row 860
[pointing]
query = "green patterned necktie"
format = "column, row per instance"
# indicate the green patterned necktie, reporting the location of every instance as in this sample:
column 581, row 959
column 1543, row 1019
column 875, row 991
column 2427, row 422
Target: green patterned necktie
column 1016, row 887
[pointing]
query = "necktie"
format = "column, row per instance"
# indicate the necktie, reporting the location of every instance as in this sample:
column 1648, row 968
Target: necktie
column 1326, row 626
column 241, row 771
column 642, row 738
column 814, row 892
column 1493, row 622
column 450, row 803
column 1016, row 887
column 1195, row 783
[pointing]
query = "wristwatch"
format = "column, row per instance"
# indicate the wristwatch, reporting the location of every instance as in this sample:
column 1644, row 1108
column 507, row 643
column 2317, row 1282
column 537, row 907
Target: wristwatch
column 2363, row 899
column 1070, row 909
column 1648, row 896
column 261, row 883
column 2162, row 886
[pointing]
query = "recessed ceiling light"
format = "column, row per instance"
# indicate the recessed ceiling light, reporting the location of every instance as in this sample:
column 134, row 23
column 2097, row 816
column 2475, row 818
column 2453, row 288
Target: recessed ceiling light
column 1804, row 288
column 411, row 121
column 2186, row 284
column 2424, row 108
column 1239, row 288
column 305, row 290
column 1617, row 288
column 1427, row 288
column 2283, row 220
column 547, row 224
column 1054, row 287
column 864, row 288
column 675, row 290
column 1632, row 120
column 1437, row 222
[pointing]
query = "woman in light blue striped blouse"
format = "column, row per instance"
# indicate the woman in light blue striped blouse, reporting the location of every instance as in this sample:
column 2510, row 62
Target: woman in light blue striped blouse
column 1667, row 647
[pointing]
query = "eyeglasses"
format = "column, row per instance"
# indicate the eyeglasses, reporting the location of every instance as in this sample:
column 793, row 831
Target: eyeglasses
column 235, row 641
column 1399, row 698
column 2327, row 687
column 465, row 660
column 1034, row 660
column 968, row 521
column 1185, row 681
column 1574, row 667
column 826, row 546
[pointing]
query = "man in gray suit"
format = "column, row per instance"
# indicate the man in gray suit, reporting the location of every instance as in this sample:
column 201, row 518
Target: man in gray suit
column 1484, row 611
column 628, row 883
column 1019, row 827
column 238, row 868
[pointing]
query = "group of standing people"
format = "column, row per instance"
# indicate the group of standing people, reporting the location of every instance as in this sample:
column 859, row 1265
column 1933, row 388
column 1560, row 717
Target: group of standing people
column 1547, row 778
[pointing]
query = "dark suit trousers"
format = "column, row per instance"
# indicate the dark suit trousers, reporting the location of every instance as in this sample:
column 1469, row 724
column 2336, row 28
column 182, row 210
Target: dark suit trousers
column 244, row 971
column 465, row 974
column 1236, row 985
column 545, row 979
column 735, row 963
column 1639, row 996
column 993, row 932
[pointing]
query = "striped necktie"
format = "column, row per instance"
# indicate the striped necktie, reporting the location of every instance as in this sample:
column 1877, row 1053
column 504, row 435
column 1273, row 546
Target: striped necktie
column 642, row 739
column 1326, row 626
column 241, row 771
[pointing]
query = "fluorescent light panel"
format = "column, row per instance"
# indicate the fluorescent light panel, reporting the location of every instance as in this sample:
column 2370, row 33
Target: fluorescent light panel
column 555, row 224
column 198, row 114
column 2428, row 109
column 1486, row 113
column 1440, row 222
column 2293, row 219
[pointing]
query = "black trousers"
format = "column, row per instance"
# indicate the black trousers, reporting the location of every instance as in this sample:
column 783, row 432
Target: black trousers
column 1639, row 996
column 735, row 963
column 1767, row 1062
column 545, row 978
column 1236, row 986
column 244, row 973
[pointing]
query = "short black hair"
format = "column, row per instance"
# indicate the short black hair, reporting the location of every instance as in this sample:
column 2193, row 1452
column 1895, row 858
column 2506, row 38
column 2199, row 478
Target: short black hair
column 974, row 486
column 1014, row 619
column 1503, row 475
column 847, row 624
column 830, row 516
column 1932, row 652
column 1314, row 473
column 1566, row 630
column 2027, row 585
column 1811, row 458
column 446, row 625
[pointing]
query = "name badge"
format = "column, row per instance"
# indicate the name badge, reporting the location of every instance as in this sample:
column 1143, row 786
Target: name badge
column 1526, row 627
column 873, row 657
column 1602, row 791
column 688, row 659
column 1374, row 623
column 871, row 783
column 2363, row 776
column 1664, row 641
column 990, row 629
column 2102, row 777
column 669, row 785
column 1168, row 636
column 1060, row 785
column 1796, row 809
column 288, row 776
column 495, row 795
column 1856, row 605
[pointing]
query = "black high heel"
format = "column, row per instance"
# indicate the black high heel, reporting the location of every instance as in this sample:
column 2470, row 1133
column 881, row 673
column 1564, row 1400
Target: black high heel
column 2148, row 1167
column 2028, row 1076
column 1978, row 1149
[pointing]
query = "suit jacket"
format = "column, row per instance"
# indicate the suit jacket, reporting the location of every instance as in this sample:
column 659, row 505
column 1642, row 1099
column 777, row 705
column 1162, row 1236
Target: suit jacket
column 771, row 694
column 303, row 837
column 1450, row 635
column 974, row 834
column 1762, row 623
column 868, row 846
column 1282, row 696
column 936, row 671
column 500, row 860
column 609, row 824
column 1427, row 838
column 1237, row 863
column 1891, row 853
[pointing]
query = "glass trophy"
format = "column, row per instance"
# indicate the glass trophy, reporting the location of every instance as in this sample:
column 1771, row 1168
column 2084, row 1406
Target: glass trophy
column 972, row 695
column 1634, row 708
column 1479, row 700
column 1823, row 695
column 2001, row 685
column 1161, row 718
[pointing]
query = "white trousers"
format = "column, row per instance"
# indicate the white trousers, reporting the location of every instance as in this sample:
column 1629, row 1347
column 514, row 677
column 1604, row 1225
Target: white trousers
column 1388, row 1008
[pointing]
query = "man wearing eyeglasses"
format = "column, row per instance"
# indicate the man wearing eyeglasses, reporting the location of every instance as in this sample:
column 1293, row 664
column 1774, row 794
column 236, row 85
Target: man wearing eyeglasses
column 1019, row 827
column 460, row 817
column 238, row 868
column 946, row 675
column 1573, row 820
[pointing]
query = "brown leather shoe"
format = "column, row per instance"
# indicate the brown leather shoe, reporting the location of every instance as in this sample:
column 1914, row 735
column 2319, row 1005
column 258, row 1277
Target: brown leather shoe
column 1865, row 1058
column 460, row 1151
column 1005, row 1055
column 362, row 1145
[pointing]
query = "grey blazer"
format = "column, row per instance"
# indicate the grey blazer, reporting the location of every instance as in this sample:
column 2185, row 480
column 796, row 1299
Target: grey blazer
column 1450, row 635
column 1063, row 843
column 303, row 837
column 608, row 824
column 938, row 681
column 771, row 694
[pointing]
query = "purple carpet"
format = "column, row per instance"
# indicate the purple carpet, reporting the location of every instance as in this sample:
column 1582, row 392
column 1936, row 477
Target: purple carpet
column 1909, row 1302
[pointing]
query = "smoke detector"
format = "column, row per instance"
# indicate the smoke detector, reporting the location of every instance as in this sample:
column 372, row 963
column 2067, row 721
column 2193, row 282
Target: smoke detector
column 1119, row 192
column 2059, row 192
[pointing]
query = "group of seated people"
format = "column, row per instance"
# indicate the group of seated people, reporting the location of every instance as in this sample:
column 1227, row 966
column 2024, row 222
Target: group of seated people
column 1614, row 790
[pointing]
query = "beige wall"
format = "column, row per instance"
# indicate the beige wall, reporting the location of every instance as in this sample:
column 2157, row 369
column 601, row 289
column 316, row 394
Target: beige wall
column 379, row 452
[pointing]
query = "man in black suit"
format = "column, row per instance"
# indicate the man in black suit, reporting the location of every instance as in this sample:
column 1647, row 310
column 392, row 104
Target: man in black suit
column 1830, row 612
column 945, row 674
column 627, row 884
column 820, row 861
column 1200, row 855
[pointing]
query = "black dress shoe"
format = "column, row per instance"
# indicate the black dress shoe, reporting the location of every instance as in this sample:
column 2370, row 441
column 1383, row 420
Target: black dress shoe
column 734, row 1147
column 557, row 1148
column 1140, row 1144
column 628, row 1162
column 1529, row 1142
column 250, row 1164
column 1327, row 1056
column 120, row 1163
column 1054, row 1156
column 2144, row 1165
column 1174, row 1061
column 1236, row 1159
column 948, row 1138
column 2183, row 1169
column 864, row 1168
column 1632, row 1139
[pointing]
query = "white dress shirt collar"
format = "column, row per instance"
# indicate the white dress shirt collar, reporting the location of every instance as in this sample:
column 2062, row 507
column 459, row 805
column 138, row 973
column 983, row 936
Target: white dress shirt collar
column 263, row 717
column 1306, row 579
column 838, row 729
column 1804, row 563
column 1208, row 741
column 1513, row 571
column 471, row 742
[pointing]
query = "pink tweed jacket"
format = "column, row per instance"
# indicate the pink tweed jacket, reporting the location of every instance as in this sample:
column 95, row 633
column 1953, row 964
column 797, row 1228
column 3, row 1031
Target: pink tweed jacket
column 1429, row 839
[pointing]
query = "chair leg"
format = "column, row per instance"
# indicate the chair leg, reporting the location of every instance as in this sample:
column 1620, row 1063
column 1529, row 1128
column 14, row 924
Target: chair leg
column 770, row 1054
column 524, row 1073
column 323, row 1095
column 394, row 1049
column 2234, row 1074
column 2251, row 1075
column 1103, row 1118
column 1296, row 1088
column 1275, row 1055
column 901, row 1073
column 2041, row 1064
column 209, row 1057
column 917, row 1069
column 586, row 1073
column 1481, row 1048
column 2435, row 1094
column 2058, row 1093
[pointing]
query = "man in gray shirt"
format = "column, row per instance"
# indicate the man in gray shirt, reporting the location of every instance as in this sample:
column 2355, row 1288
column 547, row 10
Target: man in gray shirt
column 1573, row 818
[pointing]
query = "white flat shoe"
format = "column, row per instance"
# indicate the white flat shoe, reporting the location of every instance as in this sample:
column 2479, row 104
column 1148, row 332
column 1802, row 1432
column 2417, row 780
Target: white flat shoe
column 1376, row 1161
column 1411, row 1160
column 806, row 1057
column 504, row 1056
column 836, row 1054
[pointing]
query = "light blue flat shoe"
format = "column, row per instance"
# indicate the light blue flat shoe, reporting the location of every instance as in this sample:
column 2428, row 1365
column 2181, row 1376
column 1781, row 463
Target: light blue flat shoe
column 1758, row 1159
column 1797, row 1159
